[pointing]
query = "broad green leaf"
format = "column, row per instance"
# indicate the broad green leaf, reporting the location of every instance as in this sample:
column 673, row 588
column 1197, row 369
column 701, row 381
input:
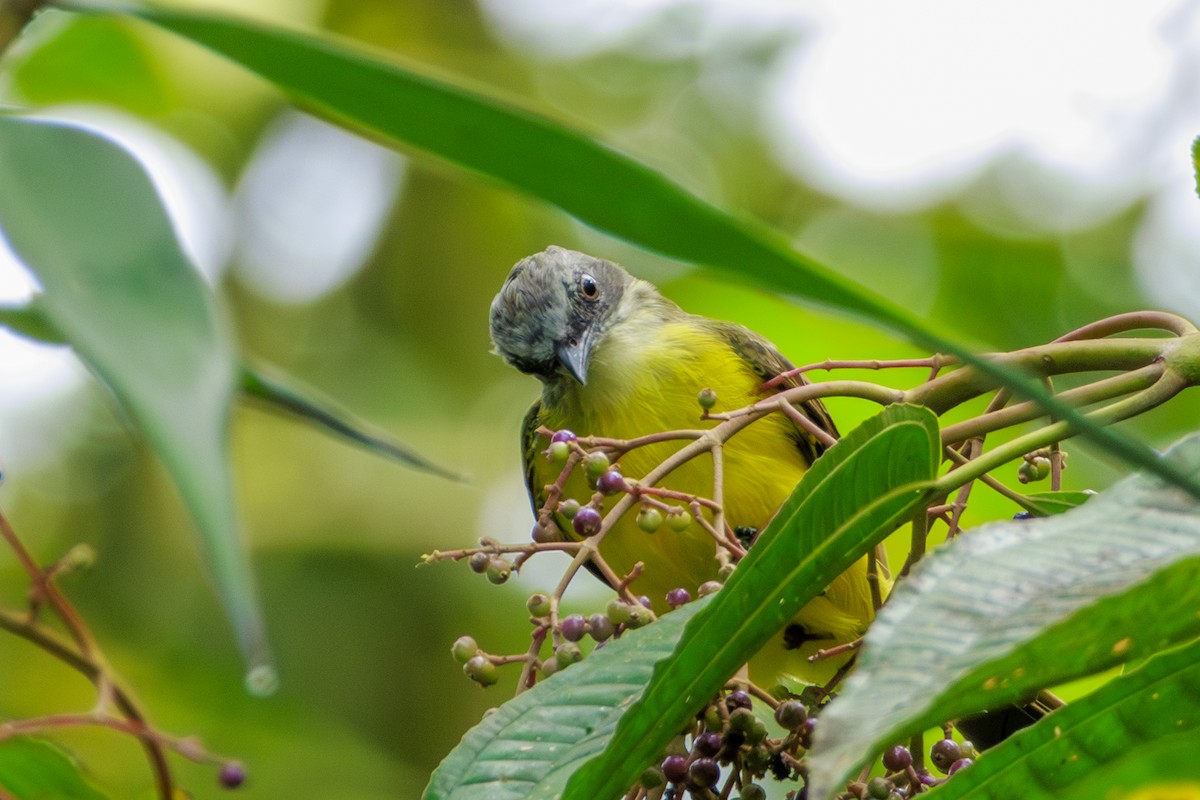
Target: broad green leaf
column 32, row 769
column 84, row 217
column 1082, row 748
column 1012, row 607
column 853, row 497
column 582, row 176
column 529, row 746
column 275, row 394
column 1046, row 504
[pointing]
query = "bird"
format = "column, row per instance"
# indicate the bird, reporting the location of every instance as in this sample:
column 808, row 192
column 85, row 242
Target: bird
column 617, row 359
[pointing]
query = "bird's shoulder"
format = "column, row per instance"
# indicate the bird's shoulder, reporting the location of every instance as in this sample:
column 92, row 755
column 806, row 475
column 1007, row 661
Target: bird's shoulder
column 529, row 452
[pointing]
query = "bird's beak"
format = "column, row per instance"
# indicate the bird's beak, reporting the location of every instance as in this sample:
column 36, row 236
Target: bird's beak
column 575, row 354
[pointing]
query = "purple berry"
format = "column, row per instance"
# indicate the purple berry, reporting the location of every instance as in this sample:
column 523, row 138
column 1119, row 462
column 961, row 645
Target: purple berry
column 944, row 753
column 678, row 597
column 574, row 627
column 562, row 436
column 675, row 768
column 707, row 744
column 232, row 775
column 896, row 758
column 645, row 600
column 961, row 763
column 738, row 699
column 611, row 482
column 791, row 714
column 704, row 773
column 805, row 733
column 600, row 627
column 587, row 521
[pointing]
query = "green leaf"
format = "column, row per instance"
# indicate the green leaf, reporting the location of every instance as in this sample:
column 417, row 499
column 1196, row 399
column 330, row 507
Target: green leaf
column 1012, row 607
column 853, row 497
column 584, row 177
column 116, row 286
column 1196, row 162
column 1098, row 745
column 1046, row 504
column 274, row 394
column 33, row 769
column 529, row 745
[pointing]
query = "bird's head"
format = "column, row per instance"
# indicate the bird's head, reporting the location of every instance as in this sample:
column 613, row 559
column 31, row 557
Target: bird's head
column 553, row 309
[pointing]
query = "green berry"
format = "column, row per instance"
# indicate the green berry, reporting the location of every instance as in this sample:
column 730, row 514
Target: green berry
column 741, row 719
column 568, row 653
column 757, row 731
column 878, row 788
column 638, row 616
column 479, row 562
column 558, row 452
column 707, row 398
column 649, row 519
column 653, row 778
column 479, row 669
column 708, row 587
column 713, row 721
column 549, row 666
column 596, row 465
column 499, row 570
column 618, row 611
column 464, row 649
column 538, row 604
column 680, row 522
column 752, row 791
column 569, row 507
column 726, row 570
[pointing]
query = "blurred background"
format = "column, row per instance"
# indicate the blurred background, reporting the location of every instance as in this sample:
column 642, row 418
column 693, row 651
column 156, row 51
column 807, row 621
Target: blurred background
column 1011, row 170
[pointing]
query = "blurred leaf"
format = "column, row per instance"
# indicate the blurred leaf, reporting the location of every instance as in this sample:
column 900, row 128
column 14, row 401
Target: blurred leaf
column 1083, row 747
column 583, row 176
column 276, row 395
column 31, row 322
column 851, row 498
column 33, row 769
column 532, row 743
column 1196, row 162
column 1047, row 504
column 1012, row 607
column 117, row 287
column 91, row 60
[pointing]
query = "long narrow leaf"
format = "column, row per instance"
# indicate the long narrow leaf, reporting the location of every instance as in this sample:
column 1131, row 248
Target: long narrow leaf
column 85, row 218
column 1013, row 607
column 852, row 497
column 597, row 184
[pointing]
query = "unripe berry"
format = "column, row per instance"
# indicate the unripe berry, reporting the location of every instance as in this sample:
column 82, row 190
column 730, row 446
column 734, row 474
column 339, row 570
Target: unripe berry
column 741, row 720
column 675, row 768
column 568, row 653
column 713, row 721
column 587, row 522
column 558, row 452
column 704, row 773
column 680, row 522
column 569, row 508
column 573, row 628
column 678, row 597
column 600, row 627
column 708, row 587
column 595, row 465
column 791, row 714
column 479, row 562
column 479, row 669
column 878, row 788
column 638, row 616
column 538, row 604
column 707, row 398
column 549, row 666
column 649, row 519
column 724, row 573
column 618, row 611
column 463, row 649
column 756, row 732
column 896, row 758
column 653, row 778
column 610, row 482
column 805, row 734
column 752, row 791
column 499, row 570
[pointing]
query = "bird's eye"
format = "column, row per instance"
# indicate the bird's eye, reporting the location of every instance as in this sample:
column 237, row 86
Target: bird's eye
column 587, row 284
